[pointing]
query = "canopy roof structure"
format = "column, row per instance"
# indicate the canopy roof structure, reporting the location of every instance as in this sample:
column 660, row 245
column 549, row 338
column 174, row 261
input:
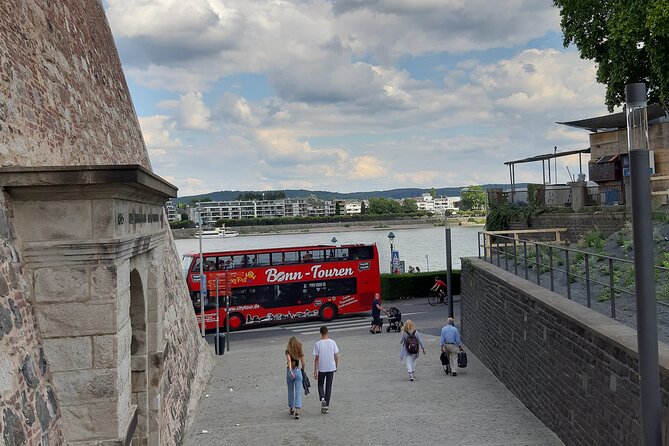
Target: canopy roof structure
column 614, row 121
column 543, row 158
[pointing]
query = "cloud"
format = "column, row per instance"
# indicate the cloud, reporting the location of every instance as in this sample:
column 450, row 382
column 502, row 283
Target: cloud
column 157, row 135
column 191, row 113
column 367, row 167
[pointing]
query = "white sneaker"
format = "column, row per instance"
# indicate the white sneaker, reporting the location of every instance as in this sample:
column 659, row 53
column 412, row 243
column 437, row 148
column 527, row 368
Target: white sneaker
column 324, row 406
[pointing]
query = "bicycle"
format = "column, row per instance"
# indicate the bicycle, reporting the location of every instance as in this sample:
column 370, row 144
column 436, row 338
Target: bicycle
column 437, row 297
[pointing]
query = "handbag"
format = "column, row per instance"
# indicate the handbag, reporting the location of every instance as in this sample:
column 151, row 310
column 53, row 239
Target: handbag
column 462, row 359
column 305, row 383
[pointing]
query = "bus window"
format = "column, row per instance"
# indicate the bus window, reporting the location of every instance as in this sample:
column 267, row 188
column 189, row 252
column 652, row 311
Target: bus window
column 339, row 287
column 318, row 255
column 360, row 253
column 282, row 258
column 341, row 253
column 196, row 265
column 289, row 294
column 185, row 264
column 210, row 264
column 260, row 260
column 314, row 290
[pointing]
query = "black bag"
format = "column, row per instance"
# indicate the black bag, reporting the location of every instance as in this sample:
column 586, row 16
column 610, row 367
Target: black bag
column 462, row 359
column 444, row 358
column 305, row 383
column 412, row 343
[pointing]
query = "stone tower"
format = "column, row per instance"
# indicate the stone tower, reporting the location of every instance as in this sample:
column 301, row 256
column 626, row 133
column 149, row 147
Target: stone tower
column 98, row 341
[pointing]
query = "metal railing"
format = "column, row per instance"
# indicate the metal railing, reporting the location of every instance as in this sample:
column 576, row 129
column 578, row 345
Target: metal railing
column 593, row 279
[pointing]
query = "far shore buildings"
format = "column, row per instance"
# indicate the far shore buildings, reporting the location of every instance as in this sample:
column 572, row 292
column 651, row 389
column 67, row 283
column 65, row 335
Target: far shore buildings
column 212, row 211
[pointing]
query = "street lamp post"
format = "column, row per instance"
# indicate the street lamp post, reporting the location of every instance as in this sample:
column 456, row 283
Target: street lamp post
column 644, row 259
column 391, row 238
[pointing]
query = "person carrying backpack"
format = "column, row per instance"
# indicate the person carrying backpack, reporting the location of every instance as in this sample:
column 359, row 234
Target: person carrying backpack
column 411, row 344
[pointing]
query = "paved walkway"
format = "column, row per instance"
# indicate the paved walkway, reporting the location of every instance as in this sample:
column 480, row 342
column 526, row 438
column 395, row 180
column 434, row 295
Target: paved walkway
column 372, row 400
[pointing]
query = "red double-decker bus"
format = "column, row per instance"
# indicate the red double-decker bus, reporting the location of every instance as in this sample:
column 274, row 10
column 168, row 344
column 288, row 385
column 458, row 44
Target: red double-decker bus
column 285, row 283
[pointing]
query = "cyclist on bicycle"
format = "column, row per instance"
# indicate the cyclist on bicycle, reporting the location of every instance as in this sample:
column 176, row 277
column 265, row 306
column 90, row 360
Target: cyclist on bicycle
column 439, row 287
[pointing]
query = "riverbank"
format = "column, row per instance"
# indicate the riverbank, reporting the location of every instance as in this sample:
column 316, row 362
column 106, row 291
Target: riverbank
column 330, row 227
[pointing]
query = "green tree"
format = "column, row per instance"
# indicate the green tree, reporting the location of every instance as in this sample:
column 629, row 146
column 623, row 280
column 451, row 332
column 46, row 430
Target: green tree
column 409, row 206
column 628, row 39
column 472, row 197
column 184, row 216
column 337, row 208
column 363, row 207
column 384, row 206
column 433, row 192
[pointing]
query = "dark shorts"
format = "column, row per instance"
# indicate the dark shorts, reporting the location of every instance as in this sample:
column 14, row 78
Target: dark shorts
column 377, row 321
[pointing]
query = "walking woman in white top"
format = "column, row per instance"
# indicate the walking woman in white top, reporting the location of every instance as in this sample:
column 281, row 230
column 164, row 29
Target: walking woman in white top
column 411, row 344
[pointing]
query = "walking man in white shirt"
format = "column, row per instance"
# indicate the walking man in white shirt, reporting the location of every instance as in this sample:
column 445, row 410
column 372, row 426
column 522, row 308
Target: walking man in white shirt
column 326, row 359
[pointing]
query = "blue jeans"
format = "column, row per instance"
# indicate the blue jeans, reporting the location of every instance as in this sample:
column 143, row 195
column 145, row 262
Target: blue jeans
column 294, row 388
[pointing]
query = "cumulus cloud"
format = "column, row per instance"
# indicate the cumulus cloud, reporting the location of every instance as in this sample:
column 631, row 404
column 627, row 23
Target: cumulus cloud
column 340, row 103
column 191, row 113
column 157, row 134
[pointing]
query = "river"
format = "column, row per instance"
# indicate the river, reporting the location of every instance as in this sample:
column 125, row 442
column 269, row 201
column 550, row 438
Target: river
column 422, row 247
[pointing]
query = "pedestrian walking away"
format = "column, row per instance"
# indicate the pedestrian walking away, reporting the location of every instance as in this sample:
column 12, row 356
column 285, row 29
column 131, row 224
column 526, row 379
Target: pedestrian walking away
column 294, row 357
column 376, row 314
column 411, row 343
column 326, row 361
column 451, row 344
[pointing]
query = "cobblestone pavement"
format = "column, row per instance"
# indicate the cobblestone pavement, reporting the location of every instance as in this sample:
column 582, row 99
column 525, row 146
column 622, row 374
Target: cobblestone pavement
column 373, row 402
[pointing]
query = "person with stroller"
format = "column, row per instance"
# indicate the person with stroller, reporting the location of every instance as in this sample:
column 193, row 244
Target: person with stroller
column 451, row 344
column 294, row 356
column 376, row 314
column 411, row 343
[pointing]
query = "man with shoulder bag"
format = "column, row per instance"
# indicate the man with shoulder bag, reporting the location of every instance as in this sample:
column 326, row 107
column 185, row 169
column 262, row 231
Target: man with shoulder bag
column 451, row 344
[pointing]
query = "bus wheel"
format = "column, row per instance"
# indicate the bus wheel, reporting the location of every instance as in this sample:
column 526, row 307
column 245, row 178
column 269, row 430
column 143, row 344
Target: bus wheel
column 328, row 312
column 236, row 321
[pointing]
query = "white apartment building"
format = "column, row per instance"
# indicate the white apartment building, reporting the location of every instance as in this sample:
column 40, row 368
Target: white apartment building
column 425, row 203
column 353, row 207
column 237, row 210
column 171, row 211
column 443, row 205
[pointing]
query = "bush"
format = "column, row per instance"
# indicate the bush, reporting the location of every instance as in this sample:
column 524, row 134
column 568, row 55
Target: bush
column 183, row 224
column 394, row 286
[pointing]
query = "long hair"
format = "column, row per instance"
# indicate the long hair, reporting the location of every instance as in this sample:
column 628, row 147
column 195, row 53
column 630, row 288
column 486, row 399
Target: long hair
column 409, row 326
column 294, row 348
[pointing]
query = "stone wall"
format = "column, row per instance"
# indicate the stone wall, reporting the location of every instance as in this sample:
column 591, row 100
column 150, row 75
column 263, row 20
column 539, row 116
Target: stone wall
column 577, row 224
column 28, row 407
column 64, row 101
column 574, row 368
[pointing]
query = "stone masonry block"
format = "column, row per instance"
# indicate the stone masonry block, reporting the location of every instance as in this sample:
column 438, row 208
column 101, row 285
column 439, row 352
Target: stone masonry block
column 61, row 285
column 86, row 386
column 104, row 221
column 72, row 319
column 54, row 220
column 69, row 353
column 105, row 350
column 103, row 282
column 92, row 420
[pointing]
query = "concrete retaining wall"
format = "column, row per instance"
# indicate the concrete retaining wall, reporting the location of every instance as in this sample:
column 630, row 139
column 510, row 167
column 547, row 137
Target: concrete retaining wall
column 577, row 224
column 575, row 369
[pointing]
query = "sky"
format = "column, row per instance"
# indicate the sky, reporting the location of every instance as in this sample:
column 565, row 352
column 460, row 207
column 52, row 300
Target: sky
column 351, row 95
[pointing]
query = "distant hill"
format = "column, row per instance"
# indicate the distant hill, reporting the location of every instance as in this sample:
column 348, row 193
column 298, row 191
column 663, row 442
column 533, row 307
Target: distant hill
column 228, row 195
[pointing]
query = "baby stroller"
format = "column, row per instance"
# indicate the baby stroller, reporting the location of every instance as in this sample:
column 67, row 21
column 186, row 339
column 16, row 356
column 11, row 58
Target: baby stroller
column 394, row 319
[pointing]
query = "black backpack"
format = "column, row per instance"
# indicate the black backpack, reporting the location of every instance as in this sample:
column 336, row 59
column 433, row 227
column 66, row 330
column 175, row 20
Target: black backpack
column 412, row 343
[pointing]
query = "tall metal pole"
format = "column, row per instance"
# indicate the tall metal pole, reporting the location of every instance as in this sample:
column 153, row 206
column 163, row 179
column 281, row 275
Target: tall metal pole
column 203, row 280
column 644, row 260
column 449, row 281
